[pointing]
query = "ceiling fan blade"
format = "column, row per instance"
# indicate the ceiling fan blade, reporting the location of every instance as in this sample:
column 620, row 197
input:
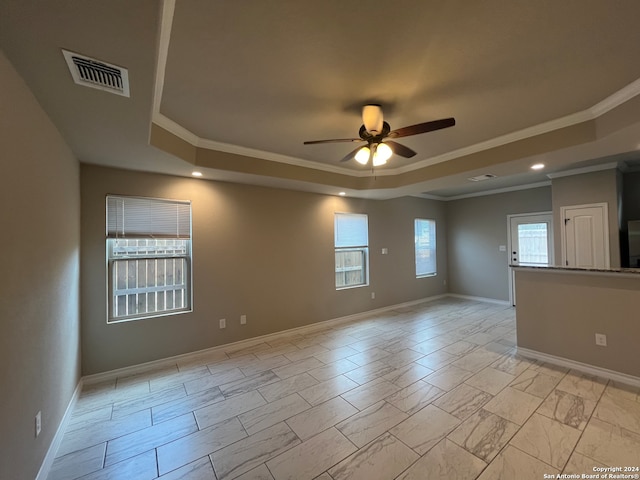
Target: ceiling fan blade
column 399, row 149
column 334, row 140
column 350, row 155
column 423, row 127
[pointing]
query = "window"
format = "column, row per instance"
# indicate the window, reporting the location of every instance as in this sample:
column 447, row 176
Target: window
column 148, row 256
column 533, row 243
column 352, row 248
column 425, row 242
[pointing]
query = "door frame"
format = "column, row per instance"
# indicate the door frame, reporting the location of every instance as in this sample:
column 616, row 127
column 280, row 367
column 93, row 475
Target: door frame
column 510, row 271
column 605, row 223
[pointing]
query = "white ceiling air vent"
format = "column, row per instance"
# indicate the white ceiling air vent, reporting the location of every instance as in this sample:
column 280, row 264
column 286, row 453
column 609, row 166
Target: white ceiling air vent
column 480, row 178
column 94, row 73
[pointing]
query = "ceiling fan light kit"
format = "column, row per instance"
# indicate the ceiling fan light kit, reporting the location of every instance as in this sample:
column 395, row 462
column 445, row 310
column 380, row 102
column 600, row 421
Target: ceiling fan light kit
column 382, row 154
column 362, row 157
column 378, row 152
column 374, row 131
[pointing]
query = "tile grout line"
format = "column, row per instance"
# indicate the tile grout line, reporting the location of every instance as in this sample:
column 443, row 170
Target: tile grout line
column 524, row 423
column 586, row 425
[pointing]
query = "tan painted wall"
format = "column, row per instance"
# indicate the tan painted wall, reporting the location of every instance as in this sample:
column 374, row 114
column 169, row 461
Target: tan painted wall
column 476, row 228
column 39, row 304
column 595, row 187
column 560, row 313
column 266, row 253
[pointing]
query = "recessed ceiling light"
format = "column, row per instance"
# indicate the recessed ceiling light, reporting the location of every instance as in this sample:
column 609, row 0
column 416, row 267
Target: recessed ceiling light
column 342, row 194
column 196, row 174
column 537, row 166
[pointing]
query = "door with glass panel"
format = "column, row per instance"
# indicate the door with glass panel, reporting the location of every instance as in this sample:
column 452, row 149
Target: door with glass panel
column 530, row 243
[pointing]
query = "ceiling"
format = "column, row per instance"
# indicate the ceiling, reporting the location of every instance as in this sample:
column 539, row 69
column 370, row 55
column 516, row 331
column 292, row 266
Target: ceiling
column 233, row 89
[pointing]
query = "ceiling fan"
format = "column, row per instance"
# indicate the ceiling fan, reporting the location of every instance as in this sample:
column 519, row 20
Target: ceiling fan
column 376, row 132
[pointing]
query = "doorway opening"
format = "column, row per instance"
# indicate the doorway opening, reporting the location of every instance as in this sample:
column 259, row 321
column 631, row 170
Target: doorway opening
column 530, row 243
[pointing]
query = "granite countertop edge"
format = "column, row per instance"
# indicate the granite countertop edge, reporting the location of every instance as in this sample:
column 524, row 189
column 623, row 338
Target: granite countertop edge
column 560, row 268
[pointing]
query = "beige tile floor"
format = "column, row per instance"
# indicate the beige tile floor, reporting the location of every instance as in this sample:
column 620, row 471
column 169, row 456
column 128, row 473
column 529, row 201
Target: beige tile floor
column 434, row 391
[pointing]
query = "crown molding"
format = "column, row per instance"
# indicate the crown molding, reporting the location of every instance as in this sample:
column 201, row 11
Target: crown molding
column 580, row 171
column 484, row 193
column 168, row 8
column 175, row 128
column 428, row 196
column 616, row 99
column 189, row 137
column 529, row 132
column 612, row 101
column 166, row 22
column 516, row 188
column 276, row 157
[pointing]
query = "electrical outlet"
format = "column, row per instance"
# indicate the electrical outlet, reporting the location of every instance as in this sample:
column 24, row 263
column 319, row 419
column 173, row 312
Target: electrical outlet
column 601, row 339
column 38, row 423
column 243, row 319
column 223, row 323
column 373, row 295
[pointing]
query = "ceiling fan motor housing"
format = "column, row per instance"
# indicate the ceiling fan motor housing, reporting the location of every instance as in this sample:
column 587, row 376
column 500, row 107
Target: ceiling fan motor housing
column 374, row 137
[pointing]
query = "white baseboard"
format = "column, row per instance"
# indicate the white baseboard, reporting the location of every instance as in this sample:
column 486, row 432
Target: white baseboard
column 45, row 468
column 480, row 299
column 144, row 367
column 582, row 367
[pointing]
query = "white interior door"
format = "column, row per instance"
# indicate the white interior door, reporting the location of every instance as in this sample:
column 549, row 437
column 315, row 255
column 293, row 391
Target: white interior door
column 585, row 236
column 530, row 243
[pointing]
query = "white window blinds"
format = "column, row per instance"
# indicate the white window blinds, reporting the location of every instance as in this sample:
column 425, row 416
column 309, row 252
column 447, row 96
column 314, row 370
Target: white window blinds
column 351, row 230
column 425, row 243
column 137, row 217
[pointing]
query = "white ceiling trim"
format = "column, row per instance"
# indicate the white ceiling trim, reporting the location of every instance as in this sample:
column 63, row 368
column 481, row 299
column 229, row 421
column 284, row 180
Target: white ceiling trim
column 166, row 22
column 501, row 190
column 191, row 138
column 612, row 101
column 276, row 157
column 168, row 9
column 428, row 196
column 615, row 100
column 529, row 132
column 515, row 188
column 580, row 171
column 175, row 128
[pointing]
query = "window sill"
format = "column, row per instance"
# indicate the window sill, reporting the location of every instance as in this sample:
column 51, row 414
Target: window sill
column 111, row 321
column 351, row 287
